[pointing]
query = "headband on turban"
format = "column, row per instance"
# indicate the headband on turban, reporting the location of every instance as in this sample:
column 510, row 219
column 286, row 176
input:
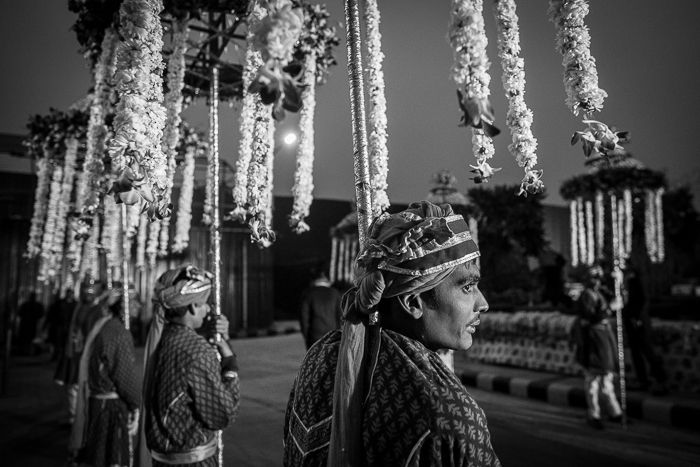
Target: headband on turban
column 409, row 252
column 183, row 286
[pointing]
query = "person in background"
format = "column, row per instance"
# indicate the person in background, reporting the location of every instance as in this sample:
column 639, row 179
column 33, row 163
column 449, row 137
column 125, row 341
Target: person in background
column 635, row 316
column 188, row 393
column 419, row 271
column 320, row 308
column 58, row 321
column 597, row 351
column 30, row 312
column 109, row 394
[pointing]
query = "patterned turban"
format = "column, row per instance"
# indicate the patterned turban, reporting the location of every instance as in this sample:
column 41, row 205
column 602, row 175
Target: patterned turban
column 183, row 286
column 409, row 252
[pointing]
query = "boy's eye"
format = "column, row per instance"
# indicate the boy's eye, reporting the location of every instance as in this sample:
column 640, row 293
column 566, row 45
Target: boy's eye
column 469, row 288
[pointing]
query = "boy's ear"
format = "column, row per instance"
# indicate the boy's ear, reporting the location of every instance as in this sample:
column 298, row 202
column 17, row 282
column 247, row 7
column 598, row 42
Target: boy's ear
column 412, row 304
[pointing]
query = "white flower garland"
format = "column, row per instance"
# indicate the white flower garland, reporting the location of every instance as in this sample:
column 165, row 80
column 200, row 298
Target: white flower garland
column 378, row 153
column 253, row 61
column 90, row 260
column 583, row 252
column 133, row 219
column 622, row 253
column 45, row 273
column 650, row 225
column 40, row 204
column 519, row 116
column 140, row 115
column 471, row 64
column 599, row 224
column 141, row 238
column 173, row 109
column 65, row 203
column 627, row 197
column 184, row 204
column 615, row 229
column 658, row 204
column 152, row 243
column 590, row 231
column 259, row 185
column 574, row 43
column 110, row 232
column 302, row 191
column 573, row 215
column 332, row 268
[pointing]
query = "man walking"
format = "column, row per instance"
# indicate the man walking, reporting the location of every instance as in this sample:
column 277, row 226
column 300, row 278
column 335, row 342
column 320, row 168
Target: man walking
column 320, row 308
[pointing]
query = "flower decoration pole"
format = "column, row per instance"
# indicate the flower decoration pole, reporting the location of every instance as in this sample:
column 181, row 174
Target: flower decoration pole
column 45, row 272
column 215, row 226
column 618, row 266
column 470, row 73
column 303, row 176
column 346, row 440
column 519, row 116
column 173, row 109
column 40, row 206
column 378, row 153
column 140, row 115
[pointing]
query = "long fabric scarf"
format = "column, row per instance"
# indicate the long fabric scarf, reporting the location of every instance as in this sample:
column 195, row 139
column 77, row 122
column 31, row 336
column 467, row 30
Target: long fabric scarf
column 80, row 425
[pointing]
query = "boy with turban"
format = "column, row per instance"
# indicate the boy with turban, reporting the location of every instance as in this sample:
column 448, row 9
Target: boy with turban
column 377, row 393
column 188, row 393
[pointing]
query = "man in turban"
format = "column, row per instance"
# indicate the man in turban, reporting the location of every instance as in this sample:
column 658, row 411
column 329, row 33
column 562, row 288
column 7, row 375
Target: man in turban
column 109, row 394
column 188, row 393
column 377, row 393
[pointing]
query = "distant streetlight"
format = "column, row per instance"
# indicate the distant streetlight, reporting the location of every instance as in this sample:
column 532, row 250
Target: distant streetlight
column 289, row 138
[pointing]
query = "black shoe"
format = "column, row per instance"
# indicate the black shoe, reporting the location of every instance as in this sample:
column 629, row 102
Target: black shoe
column 595, row 423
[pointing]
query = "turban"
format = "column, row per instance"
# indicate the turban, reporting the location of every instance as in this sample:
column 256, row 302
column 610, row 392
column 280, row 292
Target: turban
column 183, row 286
column 409, row 252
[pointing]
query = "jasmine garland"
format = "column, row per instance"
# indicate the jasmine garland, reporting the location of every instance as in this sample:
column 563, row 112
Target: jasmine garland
column 40, row 204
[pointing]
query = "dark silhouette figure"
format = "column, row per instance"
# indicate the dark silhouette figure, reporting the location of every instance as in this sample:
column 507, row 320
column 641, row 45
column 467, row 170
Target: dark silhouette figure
column 320, row 308
column 30, row 312
column 638, row 326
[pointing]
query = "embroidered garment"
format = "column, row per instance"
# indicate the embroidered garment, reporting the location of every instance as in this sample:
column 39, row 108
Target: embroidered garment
column 416, row 411
column 186, row 399
column 111, row 370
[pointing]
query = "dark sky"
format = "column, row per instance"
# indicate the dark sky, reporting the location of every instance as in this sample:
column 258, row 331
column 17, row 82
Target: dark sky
column 648, row 55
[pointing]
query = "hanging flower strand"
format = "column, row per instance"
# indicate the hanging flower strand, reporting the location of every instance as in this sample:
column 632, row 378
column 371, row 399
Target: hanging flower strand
column 573, row 41
column 40, row 205
column 173, row 109
column 140, row 115
column 52, row 211
column 519, row 116
column 470, row 73
column 65, row 203
column 378, row 153
column 184, row 210
column 302, row 191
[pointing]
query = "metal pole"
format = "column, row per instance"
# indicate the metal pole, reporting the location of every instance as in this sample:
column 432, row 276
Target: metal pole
column 125, row 266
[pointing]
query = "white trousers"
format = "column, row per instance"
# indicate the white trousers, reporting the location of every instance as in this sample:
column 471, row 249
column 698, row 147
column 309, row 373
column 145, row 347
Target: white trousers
column 599, row 387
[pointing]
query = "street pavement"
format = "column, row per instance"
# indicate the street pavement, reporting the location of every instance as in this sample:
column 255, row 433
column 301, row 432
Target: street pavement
column 524, row 432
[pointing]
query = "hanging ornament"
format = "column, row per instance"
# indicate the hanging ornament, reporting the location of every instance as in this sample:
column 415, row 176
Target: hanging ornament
column 40, row 207
column 627, row 196
column 573, row 221
column 378, row 152
column 599, row 225
column 650, row 230
column 590, row 231
column 470, row 73
column 110, row 231
column 184, row 212
column 141, row 240
column 519, row 116
column 659, row 215
column 302, row 191
column 615, row 229
column 582, row 239
column 47, row 238
column 65, row 203
column 622, row 253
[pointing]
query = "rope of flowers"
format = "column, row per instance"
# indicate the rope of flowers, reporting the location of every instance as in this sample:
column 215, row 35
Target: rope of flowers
column 133, row 219
column 622, row 254
column 302, row 191
column 184, row 205
column 519, row 116
column 573, row 41
column 583, row 252
column 627, row 196
column 141, row 238
column 573, row 212
column 208, row 187
column 173, row 109
column 378, row 152
column 152, row 242
column 89, row 260
column 599, row 224
column 590, row 230
column 111, row 227
column 470, row 73
column 65, row 202
column 140, row 115
column 49, row 228
column 40, row 204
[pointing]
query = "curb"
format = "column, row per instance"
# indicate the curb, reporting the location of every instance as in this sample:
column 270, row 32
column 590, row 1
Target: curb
column 552, row 391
